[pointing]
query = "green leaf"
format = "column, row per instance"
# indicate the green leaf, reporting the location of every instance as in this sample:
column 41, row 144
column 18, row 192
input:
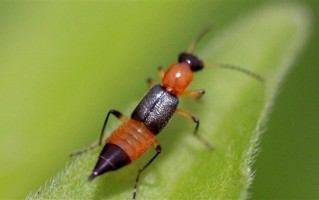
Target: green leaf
column 233, row 115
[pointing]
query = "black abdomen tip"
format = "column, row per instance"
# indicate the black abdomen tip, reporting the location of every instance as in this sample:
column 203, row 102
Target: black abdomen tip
column 92, row 176
column 111, row 158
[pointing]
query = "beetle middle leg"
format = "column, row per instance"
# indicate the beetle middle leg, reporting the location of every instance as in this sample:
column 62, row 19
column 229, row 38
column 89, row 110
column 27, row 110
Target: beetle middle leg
column 118, row 115
column 158, row 151
column 195, row 119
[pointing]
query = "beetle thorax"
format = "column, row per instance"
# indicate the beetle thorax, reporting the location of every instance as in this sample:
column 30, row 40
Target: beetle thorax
column 177, row 78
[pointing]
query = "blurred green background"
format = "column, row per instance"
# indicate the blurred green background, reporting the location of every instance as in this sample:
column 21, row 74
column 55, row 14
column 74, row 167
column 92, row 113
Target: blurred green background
column 63, row 65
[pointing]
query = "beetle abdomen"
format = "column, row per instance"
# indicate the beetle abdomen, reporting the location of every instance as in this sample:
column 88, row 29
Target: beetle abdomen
column 133, row 138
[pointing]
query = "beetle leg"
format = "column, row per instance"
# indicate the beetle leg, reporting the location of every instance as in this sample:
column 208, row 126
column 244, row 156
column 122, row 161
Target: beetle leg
column 195, row 94
column 150, row 82
column 158, row 151
column 161, row 73
column 118, row 115
column 195, row 119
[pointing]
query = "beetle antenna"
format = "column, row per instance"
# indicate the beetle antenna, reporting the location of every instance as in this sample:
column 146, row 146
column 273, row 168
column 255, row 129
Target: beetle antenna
column 226, row 66
column 242, row 70
column 198, row 38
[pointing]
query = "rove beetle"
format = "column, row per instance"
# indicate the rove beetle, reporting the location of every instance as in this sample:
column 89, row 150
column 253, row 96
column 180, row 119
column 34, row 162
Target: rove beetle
column 137, row 134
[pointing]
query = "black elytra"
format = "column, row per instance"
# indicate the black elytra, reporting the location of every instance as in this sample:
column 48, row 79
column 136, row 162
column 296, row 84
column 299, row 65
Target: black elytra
column 156, row 109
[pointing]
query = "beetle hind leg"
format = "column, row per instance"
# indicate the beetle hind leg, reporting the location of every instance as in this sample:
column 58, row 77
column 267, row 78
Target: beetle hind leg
column 158, row 151
column 118, row 115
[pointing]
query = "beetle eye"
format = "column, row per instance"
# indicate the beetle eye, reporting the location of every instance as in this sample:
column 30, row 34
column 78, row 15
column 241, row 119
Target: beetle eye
column 191, row 60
